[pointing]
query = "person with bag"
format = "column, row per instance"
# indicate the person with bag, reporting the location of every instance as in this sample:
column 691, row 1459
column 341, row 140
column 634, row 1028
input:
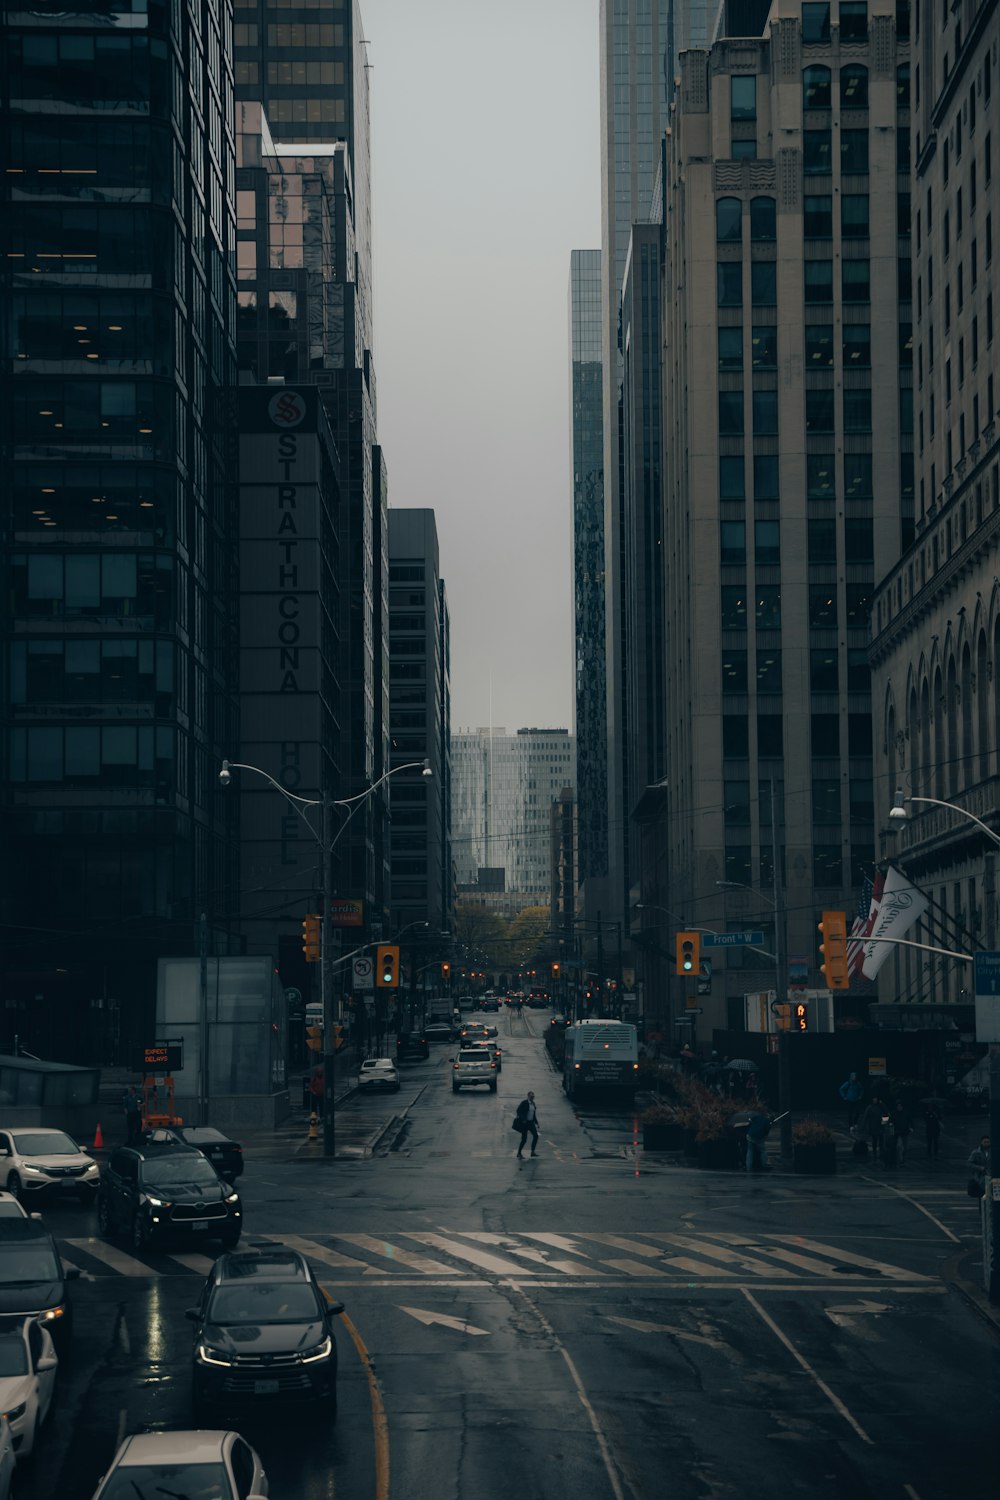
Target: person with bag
column 758, row 1130
column 526, row 1120
column 852, row 1092
column 979, row 1166
column 870, row 1127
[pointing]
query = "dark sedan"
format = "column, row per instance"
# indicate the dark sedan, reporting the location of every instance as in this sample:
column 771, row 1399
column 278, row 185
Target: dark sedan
column 226, row 1155
column 263, row 1329
column 33, row 1279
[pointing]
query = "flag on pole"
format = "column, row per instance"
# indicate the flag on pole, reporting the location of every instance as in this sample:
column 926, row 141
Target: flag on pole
column 900, row 907
column 868, row 907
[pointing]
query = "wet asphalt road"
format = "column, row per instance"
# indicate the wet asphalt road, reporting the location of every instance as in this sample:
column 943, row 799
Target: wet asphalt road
column 589, row 1323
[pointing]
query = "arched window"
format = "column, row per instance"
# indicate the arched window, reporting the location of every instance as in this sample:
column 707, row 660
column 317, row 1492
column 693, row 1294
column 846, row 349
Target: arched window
column 950, row 710
column 966, row 772
column 890, row 749
column 854, row 87
column 982, row 710
column 816, row 88
column 937, row 767
column 729, row 221
column 763, row 224
column 922, row 779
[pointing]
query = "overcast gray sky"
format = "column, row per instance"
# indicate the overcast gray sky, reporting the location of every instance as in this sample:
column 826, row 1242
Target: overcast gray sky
column 486, row 173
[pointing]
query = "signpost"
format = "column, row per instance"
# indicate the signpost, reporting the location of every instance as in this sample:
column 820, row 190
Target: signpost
column 364, row 973
column 732, row 939
column 988, row 1030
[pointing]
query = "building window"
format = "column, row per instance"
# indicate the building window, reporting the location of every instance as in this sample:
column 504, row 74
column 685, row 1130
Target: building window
column 765, row 476
column 822, row 540
column 853, row 153
column 824, row 676
column 767, row 606
column 903, row 86
column 736, row 803
column 857, row 411
column 732, row 485
column 828, row 866
column 734, row 607
column 733, row 542
column 730, row 283
column 764, row 347
column 823, row 606
column 857, row 346
column 728, row 221
column 767, row 543
column 859, row 677
column 730, row 349
column 730, row 413
column 762, row 219
column 826, row 801
column 817, row 217
column 743, row 97
column 819, row 411
column 819, row 346
column 819, row 281
column 770, row 736
column 855, row 281
column 857, row 476
column 743, row 151
column 820, row 483
column 765, row 413
column 769, row 668
column 858, row 540
column 854, row 87
column 734, row 672
column 858, row 605
column 735, row 737
column 816, row 21
column 816, row 88
column 853, row 20
column 817, row 153
column 854, row 216
column 763, row 283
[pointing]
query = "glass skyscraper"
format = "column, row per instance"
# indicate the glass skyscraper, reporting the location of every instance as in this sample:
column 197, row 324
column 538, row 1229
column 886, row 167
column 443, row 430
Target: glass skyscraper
column 117, row 440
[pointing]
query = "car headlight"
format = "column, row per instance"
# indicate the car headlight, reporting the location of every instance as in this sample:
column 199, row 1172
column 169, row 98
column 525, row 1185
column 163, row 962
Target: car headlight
column 49, row 1313
column 232, row 1197
column 92, row 1168
column 15, row 1412
column 208, row 1356
column 321, row 1351
column 32, row 1171
column 156, row 1202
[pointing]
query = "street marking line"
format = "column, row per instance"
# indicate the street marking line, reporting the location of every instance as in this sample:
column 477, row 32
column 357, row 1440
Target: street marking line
column 680, row 1333
column 312, row 1251
column 558, row 1242
column 634, row 1268
column 847, row 1257
column 125, row 1265
column 697, row 1267
column 201, row 1264
column 704, row 1247
column 466, row 1252
column 831, row 1396
column 461, row 1325
column 380, row 1422
column 508, row 1243
column 389, row 1251
column 635, row 1247
column 933, row 1218
column 581, row 1392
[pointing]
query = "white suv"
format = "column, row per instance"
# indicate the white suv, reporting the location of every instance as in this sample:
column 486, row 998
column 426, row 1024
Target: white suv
column 474, row 1065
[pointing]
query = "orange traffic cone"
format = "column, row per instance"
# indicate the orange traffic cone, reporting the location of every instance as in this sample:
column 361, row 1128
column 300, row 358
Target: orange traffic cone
column 98, row 1138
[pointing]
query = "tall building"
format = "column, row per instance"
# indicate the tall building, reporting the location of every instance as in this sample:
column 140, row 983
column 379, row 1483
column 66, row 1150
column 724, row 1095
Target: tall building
column 119, row 559
column 936, row 617
column 787, row 347
column 638, row 59
column 420, row 711
column 587, row 459
column 503, row 788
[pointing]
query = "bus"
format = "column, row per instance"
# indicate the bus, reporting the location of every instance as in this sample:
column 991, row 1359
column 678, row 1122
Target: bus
column 600, row 1055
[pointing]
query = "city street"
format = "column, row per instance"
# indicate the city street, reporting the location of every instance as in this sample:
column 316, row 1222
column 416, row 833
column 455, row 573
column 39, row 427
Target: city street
column 590, row 1322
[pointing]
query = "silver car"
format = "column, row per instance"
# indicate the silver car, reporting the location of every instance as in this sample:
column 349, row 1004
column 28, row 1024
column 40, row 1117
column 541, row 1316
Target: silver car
column 36, row 1162
column 184, row 1463
column 474, row 1065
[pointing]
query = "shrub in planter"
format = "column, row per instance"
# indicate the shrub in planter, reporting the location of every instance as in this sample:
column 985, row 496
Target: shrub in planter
column 662, row 1129
column 813, row 1148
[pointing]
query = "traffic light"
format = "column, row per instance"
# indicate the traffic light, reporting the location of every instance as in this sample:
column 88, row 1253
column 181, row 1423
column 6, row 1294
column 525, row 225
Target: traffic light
column 338, row 1036
column 555, row 971
column 312, row 938
column 387, row 968
column 446, row 973
column 688, row 952
column 782, row 1015
column 800, row 1016
column 833, row 946
column 314, row 1038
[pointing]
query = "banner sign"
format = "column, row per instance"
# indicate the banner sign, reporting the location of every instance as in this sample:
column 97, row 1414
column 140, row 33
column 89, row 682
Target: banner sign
column 901, row 906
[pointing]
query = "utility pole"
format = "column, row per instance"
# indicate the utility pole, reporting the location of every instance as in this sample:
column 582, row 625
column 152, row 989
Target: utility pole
column 781, row 984
column 203, row 1019
column 600, row 964
column 326, row 981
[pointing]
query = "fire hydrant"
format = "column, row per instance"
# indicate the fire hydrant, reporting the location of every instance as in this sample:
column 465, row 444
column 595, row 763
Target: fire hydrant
column 313, row 1126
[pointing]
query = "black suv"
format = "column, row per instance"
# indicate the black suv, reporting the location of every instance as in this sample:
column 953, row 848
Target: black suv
column 411, row 1045
column 157, row 1191
column 33, row 1281
column 263, row 1329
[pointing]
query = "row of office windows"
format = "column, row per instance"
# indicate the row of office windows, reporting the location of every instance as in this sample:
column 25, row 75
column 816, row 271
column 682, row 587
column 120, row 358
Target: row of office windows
column 824, row 670
column 821, row 411
column 822, row 541
column 821, row 469
column 817, row 218
column 736, row 602
column 820, row 347
column 827, row 810
column 829, row 863
column 769, row 733
column 818, row 283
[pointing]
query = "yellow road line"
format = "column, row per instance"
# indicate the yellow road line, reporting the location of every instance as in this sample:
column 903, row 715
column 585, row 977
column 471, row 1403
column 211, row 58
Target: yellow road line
column 380, row 1423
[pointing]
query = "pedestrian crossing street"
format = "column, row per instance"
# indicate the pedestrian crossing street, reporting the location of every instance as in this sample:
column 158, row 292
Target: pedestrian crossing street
column 589, row 1257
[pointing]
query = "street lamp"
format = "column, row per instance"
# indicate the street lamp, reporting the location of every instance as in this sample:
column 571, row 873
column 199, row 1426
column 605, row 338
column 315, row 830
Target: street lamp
column 326, row 846
column 898, row 813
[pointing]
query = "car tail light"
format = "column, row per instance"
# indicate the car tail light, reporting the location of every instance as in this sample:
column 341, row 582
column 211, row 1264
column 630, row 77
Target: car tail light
column 455, row 1067
column 635, row 1067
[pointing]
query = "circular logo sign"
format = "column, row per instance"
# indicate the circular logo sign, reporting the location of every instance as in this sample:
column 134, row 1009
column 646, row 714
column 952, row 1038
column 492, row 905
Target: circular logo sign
column 286, row 409
column 363, row 967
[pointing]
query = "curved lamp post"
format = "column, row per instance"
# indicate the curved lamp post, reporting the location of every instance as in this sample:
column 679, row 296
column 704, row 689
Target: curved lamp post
column 327, row 844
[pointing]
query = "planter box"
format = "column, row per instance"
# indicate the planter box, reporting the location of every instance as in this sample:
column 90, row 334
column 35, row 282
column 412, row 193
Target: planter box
column 716, row 1155
column 819, row 1158
column 688, row 1142
column 664, row 1136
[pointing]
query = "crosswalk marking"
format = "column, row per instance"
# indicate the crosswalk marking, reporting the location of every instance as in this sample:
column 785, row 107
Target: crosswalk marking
column 586, row 1257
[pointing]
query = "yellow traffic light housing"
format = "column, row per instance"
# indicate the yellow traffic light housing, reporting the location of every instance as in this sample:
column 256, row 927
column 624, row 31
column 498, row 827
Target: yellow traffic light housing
column 833, row 932
column 387, row 968
column 688, row 951
column 555, row 971
column 312, row 938
column 446, row 972
column 782, row 1015
column 314, row 1038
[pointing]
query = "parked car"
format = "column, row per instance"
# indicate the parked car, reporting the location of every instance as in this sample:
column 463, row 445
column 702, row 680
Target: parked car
column 36, row 1163
column 226, row 1155
column 28, row 1364
column 32, row 1279
column 217, row 1464
column 11, row 1208
column 411, row 1046
column 473, row 1065
column 264, row 1329
column 378, row 1073
column 159, row 1190
column 8, row 1462
column 439, row 1031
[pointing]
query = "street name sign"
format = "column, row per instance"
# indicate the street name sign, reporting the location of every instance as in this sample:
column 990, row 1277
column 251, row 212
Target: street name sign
column 987, row 997
column 732, row 939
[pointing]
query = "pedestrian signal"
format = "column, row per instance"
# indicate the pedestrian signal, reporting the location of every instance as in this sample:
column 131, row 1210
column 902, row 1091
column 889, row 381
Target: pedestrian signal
column 833, row 946
column 387, row 968
column 312, row 938
column 314, row 1038
column 800, row 1017
column 688, row 952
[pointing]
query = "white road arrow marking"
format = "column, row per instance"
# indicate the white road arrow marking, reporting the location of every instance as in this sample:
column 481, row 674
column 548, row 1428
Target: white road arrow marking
column 681, row 1333
column 844, row 1316
column 459, row 1324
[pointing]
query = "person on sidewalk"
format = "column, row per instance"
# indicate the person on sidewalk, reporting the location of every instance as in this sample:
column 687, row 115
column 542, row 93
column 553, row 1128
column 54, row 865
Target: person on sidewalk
column 870, row 1127
column 132, row 1105
column 852, row 1093
column 758, row 1130
column 979, row 1164
column 902, row 1124
column 932, row 1130
column 316, row 1092
column 527, row 1114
